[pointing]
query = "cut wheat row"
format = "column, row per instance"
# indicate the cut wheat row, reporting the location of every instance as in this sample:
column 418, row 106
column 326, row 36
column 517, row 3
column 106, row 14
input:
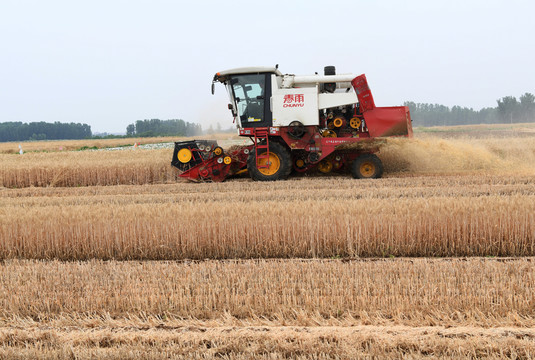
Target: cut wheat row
column 412, row 292
column 191, row 341
column 298, row 189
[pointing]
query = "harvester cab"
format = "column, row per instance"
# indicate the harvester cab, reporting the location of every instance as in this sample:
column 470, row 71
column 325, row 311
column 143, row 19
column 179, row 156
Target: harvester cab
column 296, row 123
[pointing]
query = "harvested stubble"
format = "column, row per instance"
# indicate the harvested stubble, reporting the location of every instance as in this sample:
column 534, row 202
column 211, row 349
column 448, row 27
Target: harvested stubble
column 497, row 130
column 70, row 145
column 271, row 309
column 266, row 342
column 330, row 217
column 412, row 292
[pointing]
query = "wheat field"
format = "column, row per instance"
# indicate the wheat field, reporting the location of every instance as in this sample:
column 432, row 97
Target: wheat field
column 105, row 254
column 401, row 157
column 305, row 218
column 87, row 168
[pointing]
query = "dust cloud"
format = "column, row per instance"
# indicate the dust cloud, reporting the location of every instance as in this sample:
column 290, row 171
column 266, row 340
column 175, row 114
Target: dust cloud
column 443, row 156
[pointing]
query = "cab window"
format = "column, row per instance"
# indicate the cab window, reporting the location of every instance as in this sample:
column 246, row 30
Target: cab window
column 249, row 96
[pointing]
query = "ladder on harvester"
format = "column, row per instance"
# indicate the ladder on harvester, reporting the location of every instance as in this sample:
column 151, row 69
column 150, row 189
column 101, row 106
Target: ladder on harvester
column 261, row 134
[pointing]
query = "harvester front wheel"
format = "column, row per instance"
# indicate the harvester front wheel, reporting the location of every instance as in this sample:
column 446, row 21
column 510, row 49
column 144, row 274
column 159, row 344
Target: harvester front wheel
column 367, row 166
column 277, row 167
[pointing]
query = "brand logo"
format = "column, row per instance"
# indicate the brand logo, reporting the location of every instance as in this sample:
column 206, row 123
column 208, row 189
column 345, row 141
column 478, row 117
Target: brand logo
column 294, row 100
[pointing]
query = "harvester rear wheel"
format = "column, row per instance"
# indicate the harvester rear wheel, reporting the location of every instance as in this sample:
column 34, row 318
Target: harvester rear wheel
column 367, row 166
column 279, row 164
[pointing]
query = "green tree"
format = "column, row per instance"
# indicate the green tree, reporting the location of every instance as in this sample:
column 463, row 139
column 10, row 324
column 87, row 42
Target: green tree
column 18, row 131
column 508, row 108
column 527, row 107
column 157, row 127
column 130, row 130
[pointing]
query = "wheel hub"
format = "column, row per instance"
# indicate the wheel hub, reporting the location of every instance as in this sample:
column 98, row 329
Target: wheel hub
column 269, row 166
column 367, row 169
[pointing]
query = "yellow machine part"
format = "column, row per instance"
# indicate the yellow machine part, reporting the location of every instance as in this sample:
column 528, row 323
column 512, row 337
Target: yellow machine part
column 325, row 166
column 273, row 166
column 367, row 169
column 338, row 122
column 355, row 122
column 184, row 155
column 328, row 133
column 227, row 160
column 300, row 163
column 218, row 151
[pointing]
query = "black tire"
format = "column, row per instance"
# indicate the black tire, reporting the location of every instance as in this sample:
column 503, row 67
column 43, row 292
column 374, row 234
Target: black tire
column 367, row 166
column 282, row 172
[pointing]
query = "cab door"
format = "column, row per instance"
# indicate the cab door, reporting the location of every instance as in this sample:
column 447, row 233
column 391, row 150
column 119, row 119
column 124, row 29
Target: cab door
column 252, row 96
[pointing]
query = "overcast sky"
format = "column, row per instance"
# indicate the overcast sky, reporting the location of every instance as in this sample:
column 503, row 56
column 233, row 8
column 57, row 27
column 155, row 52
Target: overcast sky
column 109, row 63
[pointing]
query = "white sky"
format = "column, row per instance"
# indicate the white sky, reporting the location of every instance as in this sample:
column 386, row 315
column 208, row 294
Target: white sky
column 109, row 63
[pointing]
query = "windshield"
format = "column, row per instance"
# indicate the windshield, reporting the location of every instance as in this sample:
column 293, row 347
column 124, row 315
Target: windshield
column 249, row 95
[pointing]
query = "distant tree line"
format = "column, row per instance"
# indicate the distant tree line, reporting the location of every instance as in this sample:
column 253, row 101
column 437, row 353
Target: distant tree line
column 18, row 131
column 509, row 110
column 157, row 127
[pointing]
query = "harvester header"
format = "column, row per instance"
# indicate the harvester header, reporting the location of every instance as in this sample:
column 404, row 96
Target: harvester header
column 296, row 123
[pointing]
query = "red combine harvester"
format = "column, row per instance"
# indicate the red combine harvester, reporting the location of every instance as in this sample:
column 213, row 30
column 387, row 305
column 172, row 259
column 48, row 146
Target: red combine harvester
column 326, row 122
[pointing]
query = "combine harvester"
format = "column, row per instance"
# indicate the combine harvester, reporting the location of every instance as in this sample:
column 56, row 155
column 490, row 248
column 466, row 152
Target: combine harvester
column 326, row 122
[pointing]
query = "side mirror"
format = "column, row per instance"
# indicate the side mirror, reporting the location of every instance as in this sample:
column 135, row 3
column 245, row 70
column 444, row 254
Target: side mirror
column 231, row 108
column 213, row 88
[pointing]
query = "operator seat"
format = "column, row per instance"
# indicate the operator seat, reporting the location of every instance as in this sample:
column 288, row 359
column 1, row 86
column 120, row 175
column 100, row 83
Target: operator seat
column 255, row 110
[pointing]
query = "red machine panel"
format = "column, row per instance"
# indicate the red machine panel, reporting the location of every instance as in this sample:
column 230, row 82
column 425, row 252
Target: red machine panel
column 363, row 93
column 389, row 121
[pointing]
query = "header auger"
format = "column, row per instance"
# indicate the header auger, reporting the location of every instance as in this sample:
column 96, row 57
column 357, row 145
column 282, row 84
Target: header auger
column 326, row 122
